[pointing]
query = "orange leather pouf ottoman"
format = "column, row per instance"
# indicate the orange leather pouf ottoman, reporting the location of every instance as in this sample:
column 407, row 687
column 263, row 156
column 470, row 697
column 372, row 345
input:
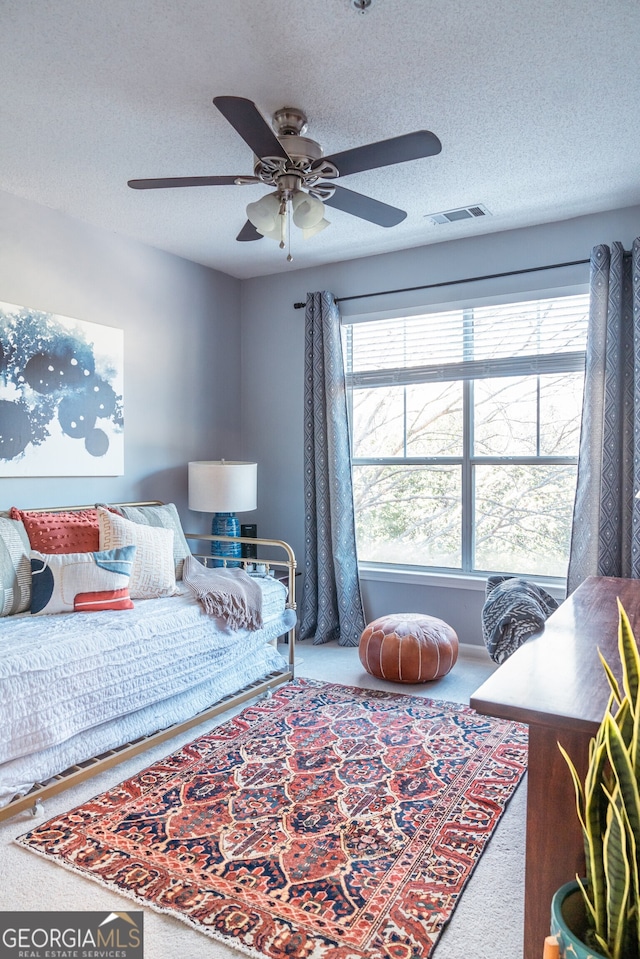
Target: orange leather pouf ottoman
column 408, row 648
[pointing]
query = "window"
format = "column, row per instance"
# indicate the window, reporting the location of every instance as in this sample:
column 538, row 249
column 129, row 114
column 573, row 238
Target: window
column 465, row 432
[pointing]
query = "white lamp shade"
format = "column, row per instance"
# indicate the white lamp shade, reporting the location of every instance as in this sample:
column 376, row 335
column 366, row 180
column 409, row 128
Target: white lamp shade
column 264, row 213
column 223, row 486
column 275, row 234
column 310, row 231
column 307, row 210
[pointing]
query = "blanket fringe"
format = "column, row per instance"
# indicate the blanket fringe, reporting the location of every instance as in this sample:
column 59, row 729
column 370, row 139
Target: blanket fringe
column 232, row 609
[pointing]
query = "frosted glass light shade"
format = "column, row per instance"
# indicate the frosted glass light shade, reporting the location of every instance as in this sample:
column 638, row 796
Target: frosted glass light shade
column 277, row 233
column 308, row 232
column 308, row 211
column 223, row 486
column 264, row 213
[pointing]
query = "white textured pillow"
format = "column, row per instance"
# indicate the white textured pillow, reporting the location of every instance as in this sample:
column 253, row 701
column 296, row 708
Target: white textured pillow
column 153, row 572
column 166, row 516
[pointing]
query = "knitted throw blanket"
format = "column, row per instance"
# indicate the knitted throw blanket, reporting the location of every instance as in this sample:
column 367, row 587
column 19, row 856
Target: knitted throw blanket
column 229, row 593
column 513, row 610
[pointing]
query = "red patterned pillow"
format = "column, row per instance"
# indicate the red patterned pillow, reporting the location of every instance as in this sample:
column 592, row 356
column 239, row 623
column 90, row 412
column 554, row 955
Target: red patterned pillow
column 68, row 532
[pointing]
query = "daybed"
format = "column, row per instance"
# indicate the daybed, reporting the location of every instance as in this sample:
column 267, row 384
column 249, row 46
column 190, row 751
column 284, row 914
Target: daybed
column 80, row 691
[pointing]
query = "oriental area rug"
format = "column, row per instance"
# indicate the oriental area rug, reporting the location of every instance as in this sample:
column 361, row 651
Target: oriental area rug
column 328, row 822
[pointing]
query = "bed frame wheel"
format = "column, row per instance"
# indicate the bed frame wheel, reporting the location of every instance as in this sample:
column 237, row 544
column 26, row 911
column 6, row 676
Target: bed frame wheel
column 268, row 694
column 37, row 809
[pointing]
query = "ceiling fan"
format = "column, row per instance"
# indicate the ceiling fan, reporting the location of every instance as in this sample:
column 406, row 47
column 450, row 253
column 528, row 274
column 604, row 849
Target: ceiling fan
column 302, row 176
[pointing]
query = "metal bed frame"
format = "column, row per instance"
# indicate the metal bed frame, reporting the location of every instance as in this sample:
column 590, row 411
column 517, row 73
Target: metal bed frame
column 263, row 687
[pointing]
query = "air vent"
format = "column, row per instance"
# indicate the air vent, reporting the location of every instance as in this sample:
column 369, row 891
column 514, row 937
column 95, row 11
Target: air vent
column 463, row 213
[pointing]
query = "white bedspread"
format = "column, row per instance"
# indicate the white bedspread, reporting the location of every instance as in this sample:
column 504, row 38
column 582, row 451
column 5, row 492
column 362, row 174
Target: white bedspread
column 63, row 675
column 18, row 775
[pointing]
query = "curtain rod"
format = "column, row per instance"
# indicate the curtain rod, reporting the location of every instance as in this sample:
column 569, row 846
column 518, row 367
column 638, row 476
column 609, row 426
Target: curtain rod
column 469, row 279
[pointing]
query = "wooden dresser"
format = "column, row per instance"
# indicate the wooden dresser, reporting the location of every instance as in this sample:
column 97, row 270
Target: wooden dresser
column 556, row 684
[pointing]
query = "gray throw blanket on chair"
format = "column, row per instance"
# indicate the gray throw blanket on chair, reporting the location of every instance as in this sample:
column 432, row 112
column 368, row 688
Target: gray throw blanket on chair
column 513, row 610
column 229, row 593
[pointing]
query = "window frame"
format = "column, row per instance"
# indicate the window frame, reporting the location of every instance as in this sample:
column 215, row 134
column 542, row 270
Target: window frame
column 468, row 461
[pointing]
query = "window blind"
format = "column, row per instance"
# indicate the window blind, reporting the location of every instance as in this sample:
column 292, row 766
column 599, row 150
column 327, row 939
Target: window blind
column 537, row 336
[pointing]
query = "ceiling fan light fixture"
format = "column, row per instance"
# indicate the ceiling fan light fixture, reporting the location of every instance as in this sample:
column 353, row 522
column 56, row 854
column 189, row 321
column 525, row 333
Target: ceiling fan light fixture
column 264, row 214
column 302, row 176
column 310, row 231
column 308, row 211
column 274, row 234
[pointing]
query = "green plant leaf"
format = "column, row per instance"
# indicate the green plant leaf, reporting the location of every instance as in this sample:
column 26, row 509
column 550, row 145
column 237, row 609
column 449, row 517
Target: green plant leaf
column 595, row 821
column 629, row 657
column 577, row 785
column 625, row 721
column 590, row 805
column 590, row 911
column 634, row 747
column 623, row 772
column 631, row 946
column 618, row 880
column 589, row 848
column 613, row 682
column 601, row 945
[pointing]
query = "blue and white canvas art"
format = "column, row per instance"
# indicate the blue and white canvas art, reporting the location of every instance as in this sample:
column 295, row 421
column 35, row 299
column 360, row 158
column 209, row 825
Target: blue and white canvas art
column 61, row 395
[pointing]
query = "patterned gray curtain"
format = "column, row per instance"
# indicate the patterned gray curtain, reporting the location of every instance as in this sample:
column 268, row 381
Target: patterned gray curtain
column 605, row 539
column 331, row 601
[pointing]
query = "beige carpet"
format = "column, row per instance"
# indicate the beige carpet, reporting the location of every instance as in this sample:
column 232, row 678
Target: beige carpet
column 487, row 923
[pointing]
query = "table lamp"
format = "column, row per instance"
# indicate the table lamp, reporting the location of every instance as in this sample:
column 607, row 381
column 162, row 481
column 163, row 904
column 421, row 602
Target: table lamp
column 224, row 488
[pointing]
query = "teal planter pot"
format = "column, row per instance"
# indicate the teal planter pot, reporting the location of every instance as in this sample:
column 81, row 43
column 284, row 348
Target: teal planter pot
column 568, row 923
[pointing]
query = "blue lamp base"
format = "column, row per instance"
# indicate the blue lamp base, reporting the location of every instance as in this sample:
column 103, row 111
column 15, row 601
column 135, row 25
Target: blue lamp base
column 225, row 524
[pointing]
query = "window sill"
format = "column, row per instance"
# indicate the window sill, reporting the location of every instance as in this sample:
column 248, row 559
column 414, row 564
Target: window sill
column 465, row 581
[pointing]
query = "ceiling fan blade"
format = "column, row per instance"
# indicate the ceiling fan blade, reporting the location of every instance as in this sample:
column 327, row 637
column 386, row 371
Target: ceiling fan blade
column 164, row 183
column 248, row 232
column 409, row 146
column 365, row 207
column 247, row 120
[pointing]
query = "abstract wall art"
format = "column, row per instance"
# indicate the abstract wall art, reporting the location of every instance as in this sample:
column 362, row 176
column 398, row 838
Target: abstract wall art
column 61, row 395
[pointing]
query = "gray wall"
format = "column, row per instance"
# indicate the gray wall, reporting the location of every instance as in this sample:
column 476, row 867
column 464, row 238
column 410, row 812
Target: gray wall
column 181, row 340
column 214, row 366
column 273, row 364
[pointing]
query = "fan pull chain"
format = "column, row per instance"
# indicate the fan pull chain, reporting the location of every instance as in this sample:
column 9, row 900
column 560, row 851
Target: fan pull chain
column 282, row 213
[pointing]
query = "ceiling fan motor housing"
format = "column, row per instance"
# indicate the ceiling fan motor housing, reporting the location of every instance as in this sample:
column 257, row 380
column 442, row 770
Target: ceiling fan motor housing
column 289, row 121
column 301, row 148
column 302, row 152
column 289, row 124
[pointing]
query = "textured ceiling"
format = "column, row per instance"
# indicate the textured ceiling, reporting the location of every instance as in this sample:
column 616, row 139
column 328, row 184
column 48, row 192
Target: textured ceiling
column 536, row 105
